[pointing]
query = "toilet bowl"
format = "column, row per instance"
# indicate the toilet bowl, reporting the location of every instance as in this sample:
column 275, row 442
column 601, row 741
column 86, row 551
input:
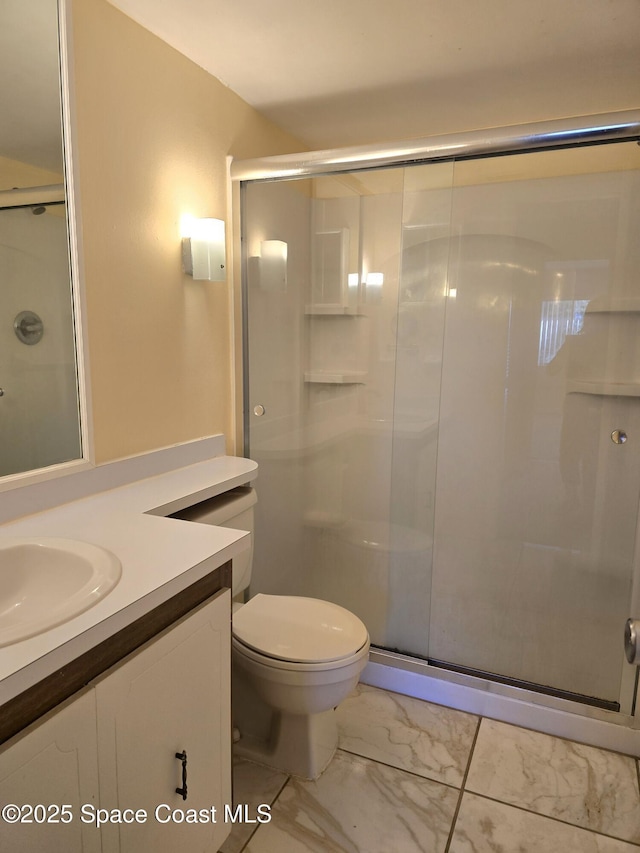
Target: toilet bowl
column 299, row 657
column 294, row 660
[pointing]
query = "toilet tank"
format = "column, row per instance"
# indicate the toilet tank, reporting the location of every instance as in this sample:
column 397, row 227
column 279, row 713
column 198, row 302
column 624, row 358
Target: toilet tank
column 232, row 509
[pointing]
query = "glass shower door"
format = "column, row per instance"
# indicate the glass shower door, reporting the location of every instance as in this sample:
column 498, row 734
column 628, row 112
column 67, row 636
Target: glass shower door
column 537, row 495
column 322, row 356
column 440, row 377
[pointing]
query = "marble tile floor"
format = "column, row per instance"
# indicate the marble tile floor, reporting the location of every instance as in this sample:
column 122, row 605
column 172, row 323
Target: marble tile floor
column 411, row 776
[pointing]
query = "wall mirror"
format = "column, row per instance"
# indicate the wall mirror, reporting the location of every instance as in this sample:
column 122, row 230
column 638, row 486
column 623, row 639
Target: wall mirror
column 39, row 398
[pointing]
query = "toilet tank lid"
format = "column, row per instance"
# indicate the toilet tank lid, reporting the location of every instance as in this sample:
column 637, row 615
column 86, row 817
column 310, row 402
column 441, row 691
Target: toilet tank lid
column 303, row 630
column 221, row 508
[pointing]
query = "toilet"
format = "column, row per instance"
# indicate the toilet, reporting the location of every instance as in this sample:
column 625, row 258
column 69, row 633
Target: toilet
column 294, row 659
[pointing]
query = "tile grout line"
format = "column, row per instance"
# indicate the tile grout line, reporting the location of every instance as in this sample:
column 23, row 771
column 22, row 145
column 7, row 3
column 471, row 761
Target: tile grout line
column 566, row 738
column 554, row 819
column 273, row 802
column 462, row 788
column 401, row 769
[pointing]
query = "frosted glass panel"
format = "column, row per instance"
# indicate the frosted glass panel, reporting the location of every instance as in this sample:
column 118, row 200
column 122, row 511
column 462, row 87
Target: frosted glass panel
column 426, row 223
column 333, row 519
column 536, row 505
column 275, row 323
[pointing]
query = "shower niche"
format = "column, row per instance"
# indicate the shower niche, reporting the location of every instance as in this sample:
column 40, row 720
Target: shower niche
column 335, row 331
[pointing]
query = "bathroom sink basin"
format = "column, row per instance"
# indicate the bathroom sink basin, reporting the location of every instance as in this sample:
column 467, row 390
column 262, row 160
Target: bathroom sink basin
column 45, row 582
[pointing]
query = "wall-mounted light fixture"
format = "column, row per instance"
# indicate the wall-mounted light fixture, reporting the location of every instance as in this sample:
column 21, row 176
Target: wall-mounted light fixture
column 374, row 279
column 203, row 249
column 273, row 265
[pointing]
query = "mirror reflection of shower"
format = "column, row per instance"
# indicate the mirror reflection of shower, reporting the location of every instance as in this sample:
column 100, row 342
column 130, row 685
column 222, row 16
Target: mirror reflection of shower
column 39, row 424
column 39, row 416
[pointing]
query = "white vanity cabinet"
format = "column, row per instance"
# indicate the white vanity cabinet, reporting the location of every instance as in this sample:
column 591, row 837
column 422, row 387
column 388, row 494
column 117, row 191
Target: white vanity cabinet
column 114, row 748
column 49, row 773
column 171, row 698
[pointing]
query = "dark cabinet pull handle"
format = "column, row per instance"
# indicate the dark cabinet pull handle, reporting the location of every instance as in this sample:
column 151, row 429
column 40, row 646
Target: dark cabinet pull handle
column 182, row 756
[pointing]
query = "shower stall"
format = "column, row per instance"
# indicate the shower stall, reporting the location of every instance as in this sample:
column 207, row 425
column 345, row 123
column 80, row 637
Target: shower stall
column 442, row 389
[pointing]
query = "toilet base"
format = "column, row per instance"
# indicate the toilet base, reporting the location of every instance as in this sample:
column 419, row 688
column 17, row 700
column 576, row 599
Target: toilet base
column 298, row 744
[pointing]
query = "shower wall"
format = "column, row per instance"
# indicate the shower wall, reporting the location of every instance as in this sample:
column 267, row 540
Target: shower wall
column 39, row 421
column 442, row 373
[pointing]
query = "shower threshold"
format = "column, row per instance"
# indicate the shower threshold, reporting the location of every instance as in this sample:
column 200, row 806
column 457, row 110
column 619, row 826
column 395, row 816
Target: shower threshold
column 566, row 714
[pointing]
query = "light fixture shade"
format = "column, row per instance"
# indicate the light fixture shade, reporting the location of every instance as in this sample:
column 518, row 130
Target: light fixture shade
column 204, row 251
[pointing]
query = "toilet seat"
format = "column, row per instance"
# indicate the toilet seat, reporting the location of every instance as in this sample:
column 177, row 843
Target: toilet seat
column 293, row 632
column 293, row 671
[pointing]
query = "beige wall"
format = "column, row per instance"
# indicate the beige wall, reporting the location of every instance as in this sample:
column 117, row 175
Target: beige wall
column 153, row 131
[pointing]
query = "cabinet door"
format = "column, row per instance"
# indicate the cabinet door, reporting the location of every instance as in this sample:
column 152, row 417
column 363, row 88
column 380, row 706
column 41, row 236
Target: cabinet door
column 173, row 696
column 54, row 764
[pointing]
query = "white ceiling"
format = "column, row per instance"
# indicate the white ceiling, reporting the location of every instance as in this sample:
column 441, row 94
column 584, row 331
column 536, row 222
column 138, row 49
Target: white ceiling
column 339, row 72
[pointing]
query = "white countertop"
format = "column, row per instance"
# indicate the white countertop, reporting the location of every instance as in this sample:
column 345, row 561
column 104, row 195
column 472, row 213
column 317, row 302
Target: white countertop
column 160, row 557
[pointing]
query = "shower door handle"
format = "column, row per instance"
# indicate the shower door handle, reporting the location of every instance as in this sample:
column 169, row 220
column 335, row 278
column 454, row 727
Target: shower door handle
column 259, row 410
column 618, row 436
column 632, row 641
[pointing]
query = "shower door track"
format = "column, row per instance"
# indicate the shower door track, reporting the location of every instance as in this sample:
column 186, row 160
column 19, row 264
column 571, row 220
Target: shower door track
column 483, row 675
column 521, row 684
column 623, row 126
column 25, row 206
column 32, row 197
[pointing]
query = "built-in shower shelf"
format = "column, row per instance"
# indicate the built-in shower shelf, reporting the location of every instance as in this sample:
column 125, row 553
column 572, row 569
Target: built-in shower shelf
column 605, row 389
column 615, row 305
column 335, row 377
column 330, row 310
